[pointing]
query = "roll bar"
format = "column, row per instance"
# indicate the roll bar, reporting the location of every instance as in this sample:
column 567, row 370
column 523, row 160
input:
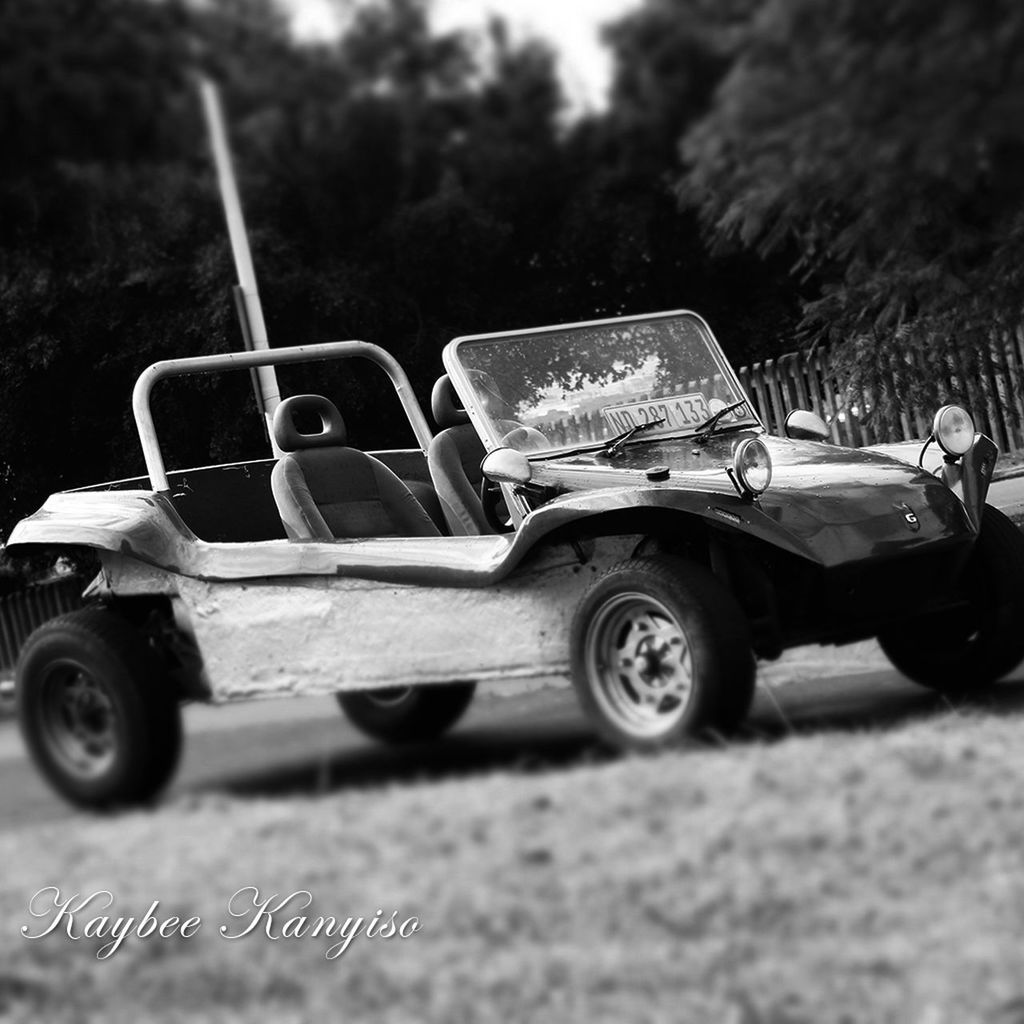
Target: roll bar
column 263, row 357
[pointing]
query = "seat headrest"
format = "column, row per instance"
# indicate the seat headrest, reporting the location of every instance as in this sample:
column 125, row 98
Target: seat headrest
column 445, row 405
column 289, row 438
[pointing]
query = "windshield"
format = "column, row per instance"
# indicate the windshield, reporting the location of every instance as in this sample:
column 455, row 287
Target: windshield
column 567, row 388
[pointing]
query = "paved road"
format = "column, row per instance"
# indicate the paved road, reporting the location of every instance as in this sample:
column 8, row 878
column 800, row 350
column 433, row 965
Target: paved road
column 1009, row 496
column 306, row 746
column 309, row 748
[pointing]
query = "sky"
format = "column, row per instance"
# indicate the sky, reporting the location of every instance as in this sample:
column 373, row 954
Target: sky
column 571, row 26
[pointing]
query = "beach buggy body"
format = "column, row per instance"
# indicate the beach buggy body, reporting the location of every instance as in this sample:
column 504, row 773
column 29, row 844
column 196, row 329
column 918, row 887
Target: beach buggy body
column 633, row 528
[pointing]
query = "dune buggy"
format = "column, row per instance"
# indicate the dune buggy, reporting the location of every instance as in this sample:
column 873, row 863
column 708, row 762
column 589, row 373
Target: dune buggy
column 600, row 501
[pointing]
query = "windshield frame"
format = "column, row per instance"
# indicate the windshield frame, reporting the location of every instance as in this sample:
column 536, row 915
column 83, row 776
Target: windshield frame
column 484, row 426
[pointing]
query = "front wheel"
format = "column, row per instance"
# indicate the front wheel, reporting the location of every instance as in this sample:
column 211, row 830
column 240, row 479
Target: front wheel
column 407, row 714
column 968, row 648
column 660, row 650
column 97, row 710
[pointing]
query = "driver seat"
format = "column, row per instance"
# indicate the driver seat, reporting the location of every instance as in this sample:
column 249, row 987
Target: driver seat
column 325, row 490
column 454, row 458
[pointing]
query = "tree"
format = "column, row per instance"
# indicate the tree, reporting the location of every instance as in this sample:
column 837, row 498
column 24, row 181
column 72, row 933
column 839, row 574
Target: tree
column 372, row 212
column 884, row 141
column 400, row 186
column 669, row 58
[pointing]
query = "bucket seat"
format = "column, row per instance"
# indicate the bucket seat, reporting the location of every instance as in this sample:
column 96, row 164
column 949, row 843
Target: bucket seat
column 325, row 490
column 454, row 458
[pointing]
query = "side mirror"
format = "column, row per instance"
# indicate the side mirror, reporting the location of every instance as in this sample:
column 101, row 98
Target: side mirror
column 506, row 466
column 802, row 425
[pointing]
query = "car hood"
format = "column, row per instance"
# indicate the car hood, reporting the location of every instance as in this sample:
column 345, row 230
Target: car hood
column 825, row 502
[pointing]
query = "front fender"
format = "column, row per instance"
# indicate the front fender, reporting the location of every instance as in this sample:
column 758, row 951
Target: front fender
column 968, row 477
column 633, row 509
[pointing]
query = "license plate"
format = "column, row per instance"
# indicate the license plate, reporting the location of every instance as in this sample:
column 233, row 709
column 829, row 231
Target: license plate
column 680, row 412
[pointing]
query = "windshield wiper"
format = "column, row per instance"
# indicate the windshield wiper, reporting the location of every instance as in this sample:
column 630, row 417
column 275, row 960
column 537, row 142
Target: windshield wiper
column 612, row 446
column 707, row 428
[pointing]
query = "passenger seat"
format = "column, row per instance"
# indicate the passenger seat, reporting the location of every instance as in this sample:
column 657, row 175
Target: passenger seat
column 325, row 490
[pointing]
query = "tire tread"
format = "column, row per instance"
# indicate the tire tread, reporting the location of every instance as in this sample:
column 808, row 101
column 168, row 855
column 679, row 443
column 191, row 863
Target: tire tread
column 725, row 636
column 143, row 688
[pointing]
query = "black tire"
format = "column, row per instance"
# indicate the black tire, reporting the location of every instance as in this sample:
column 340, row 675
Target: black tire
column 97, row 710
column 646, row 610
column 957, row 652
column 407, row 714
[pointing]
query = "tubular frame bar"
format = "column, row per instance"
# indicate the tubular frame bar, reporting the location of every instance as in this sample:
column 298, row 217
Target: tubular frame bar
column 263, row 357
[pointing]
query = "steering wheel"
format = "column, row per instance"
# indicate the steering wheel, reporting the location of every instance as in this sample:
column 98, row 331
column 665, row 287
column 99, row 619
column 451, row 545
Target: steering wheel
column 495, row 510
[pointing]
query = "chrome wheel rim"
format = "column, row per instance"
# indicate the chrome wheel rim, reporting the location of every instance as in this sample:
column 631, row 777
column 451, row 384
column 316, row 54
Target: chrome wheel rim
column 640, row 665
column 78, row 721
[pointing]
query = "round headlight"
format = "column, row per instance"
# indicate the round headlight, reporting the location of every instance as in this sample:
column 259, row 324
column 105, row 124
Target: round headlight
column 953, row 428
column 753, row 465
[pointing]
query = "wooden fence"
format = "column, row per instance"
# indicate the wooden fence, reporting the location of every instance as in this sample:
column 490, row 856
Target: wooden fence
column 993, row 394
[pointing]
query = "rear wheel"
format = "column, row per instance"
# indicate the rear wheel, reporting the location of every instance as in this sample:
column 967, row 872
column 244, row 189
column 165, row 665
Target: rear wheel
column 97, row 710
column 407, row 714
column 660, row 650
column 966, row 649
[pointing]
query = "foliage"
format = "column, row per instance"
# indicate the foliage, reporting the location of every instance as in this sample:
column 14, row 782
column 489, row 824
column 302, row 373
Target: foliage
column 882, row 141
column 401, row 186
column 669, row 57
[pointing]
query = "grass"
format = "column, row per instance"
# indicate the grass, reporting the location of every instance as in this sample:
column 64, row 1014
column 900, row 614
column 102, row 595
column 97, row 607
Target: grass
column 837, row 877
